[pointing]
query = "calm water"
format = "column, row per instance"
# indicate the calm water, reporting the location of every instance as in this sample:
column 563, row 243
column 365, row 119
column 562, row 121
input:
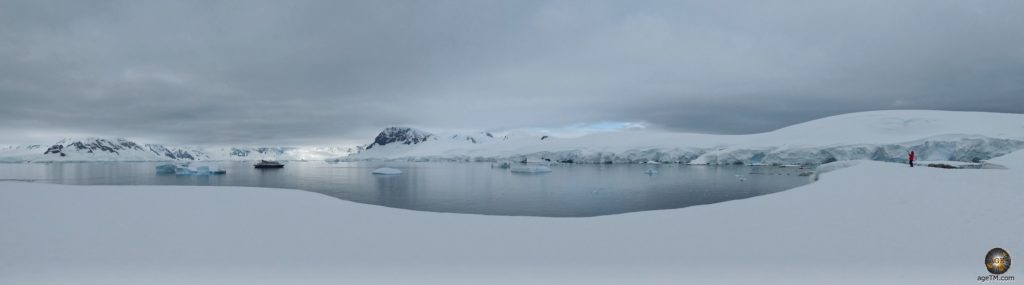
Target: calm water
column 568, row 191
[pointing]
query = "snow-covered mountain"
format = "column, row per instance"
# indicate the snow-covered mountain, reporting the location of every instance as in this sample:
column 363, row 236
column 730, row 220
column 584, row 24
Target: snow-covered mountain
column 412, row 136
column 876, row 135
column 400, row 135
column 121, row 149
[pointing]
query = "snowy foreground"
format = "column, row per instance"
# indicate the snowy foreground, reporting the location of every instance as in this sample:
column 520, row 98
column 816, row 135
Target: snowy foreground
column 870, row 223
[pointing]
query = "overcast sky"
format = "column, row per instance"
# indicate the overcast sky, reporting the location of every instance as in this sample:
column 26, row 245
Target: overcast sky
column 336, row 72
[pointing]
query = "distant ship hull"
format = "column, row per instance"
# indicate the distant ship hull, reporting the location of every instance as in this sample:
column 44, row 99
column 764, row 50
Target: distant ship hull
column 268, row 164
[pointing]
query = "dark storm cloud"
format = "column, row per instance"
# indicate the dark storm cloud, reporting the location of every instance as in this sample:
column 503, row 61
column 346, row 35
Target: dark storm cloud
column 283, row 72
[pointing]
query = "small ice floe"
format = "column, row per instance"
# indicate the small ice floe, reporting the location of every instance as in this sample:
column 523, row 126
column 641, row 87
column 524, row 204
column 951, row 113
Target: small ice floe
column 741, row 177
column 387, row 171
column 651, row 171
column 530, row 169
column 202, row 170
column 501, row 164
column 652, row 162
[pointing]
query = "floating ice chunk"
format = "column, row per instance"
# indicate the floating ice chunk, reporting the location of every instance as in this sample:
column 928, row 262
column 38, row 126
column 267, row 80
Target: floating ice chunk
column 183, row 170
column 165, row 169
column 501, row 164
column 531, row 169
column 198, row 170
column 534, row 160
column 653, row 162
column 387, row 171
column 208, row 169
column 651, row 171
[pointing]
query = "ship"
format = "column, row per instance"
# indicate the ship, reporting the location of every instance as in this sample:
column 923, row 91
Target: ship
column 268, row 164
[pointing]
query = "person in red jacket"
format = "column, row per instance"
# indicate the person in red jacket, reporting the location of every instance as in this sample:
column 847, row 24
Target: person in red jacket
column 911, row 158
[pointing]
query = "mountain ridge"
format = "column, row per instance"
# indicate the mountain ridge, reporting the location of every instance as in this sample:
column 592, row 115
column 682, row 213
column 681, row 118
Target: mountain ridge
column 121, row 149
column 875, row 135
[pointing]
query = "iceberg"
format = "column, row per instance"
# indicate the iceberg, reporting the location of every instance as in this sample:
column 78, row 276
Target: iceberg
column 501, row 164
column 165, row 169
column 199, row 170
column 183, row 170
column 387, row 171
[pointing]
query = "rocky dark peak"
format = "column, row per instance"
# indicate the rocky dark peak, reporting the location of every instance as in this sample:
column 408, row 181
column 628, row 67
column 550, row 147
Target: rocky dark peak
column 127, row 144
column 181, row 154
column 91, row 145
column 55, row 149
column 403, row 135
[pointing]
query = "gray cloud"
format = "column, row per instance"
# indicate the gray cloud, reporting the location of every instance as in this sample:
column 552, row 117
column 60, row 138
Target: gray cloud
column 327, row 72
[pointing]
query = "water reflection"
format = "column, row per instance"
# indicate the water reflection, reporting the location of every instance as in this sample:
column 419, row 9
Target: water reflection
column 568, row 191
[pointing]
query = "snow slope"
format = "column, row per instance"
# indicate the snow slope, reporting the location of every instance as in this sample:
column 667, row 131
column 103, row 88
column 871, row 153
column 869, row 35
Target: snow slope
column 876, row 135
column 870, row 223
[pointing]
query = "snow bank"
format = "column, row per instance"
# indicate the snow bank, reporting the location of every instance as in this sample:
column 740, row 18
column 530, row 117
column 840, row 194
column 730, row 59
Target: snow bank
column 1013, row 161
column 833, row 166
column 878, row 135
column 870, row 223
